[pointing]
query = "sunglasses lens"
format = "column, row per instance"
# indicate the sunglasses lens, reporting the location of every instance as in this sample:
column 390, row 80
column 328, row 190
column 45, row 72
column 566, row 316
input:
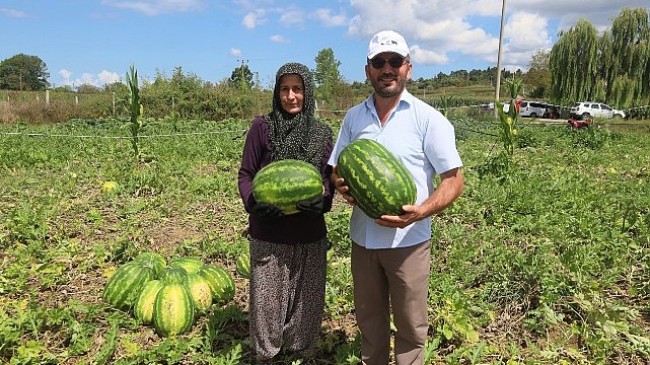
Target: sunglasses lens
column 394, row 62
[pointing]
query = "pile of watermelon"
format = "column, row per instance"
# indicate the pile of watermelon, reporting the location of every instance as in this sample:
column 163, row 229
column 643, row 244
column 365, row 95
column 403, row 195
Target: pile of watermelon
column 172, row 296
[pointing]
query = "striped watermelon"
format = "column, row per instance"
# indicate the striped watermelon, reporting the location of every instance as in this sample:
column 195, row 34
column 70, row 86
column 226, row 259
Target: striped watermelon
column 153, row 260
column 220, row 281
column 173, row 310
column 123, row 288
column 190, row 264
column 173, row 275
column 243, row 264
column 200, row 291
column 286, row 182
column 378, row 181
column 143, row 307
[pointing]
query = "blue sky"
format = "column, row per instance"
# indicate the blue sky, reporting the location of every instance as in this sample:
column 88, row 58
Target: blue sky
column 96, row 41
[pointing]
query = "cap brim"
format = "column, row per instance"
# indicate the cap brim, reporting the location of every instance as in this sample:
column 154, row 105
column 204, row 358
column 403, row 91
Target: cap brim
column 386, row 49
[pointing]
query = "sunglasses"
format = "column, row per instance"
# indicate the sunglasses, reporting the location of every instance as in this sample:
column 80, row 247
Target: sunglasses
column 394, row 62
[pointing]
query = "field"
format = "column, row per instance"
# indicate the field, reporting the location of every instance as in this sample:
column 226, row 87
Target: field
column 547, row 263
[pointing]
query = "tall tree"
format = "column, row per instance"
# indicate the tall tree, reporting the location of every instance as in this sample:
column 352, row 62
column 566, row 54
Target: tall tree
column 242, row 76
column 627, row 78
column 574, row 64
column 23, row 72
column 327, row 75
column 538, row 77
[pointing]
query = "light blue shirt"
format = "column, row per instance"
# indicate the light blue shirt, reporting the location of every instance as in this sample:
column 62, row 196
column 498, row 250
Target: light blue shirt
column 422, row 139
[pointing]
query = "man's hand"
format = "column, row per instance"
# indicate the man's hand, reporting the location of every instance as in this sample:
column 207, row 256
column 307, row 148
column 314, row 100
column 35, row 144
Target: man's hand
column 412, row 214
column 341, row 186
column 450, row 187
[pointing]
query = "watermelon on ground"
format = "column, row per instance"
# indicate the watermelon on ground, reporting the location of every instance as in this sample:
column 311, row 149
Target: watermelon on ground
column 190, row 264
column 143, row 309
column 123, row 288
column 220, row 281
column 174, row 311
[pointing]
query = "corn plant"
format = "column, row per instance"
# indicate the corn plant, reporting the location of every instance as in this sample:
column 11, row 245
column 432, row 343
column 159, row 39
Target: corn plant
column 509, row 119
column 135, row 109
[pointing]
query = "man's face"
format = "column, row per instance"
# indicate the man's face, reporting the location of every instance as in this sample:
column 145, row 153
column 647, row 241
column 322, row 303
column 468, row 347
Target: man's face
column 388, row 74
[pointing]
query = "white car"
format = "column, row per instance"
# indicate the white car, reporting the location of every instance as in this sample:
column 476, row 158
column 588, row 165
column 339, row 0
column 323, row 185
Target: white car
column 590, row 109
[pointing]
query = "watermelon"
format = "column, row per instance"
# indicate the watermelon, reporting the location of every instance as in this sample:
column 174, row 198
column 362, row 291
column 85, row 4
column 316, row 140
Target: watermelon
column 284, row 183
column 173, row 274
column 190, row 264
column 123, row 288
column 222, row 285
column 173, row 310
column 153, row 260
column 243, row 264
column 200, row 291
column 143, row 307
column 378, row 181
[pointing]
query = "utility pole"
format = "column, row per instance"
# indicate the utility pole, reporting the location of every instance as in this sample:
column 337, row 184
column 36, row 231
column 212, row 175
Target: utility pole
column 498, row 88
column 242, row 81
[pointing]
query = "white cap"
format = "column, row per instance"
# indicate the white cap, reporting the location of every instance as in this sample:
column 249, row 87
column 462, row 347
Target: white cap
column 387, row 41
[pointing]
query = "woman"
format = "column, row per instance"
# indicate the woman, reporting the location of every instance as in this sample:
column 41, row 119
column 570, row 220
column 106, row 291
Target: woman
column 288, row 252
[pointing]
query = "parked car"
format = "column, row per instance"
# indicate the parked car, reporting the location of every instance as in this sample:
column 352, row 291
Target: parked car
column 590, row 109
column 552, row 111
column 533, row 109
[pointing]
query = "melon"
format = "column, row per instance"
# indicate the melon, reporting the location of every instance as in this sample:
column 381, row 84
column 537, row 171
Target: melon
column 377, row 180
column 284, row 183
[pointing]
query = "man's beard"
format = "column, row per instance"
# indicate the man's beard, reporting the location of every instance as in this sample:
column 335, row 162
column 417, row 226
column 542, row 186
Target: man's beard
column 388, row 91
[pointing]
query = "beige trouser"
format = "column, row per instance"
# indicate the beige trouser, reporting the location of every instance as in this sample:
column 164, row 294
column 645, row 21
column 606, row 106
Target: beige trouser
column 397, row 278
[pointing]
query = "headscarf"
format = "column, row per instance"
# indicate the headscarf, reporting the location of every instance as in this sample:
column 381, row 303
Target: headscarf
column 298, row 136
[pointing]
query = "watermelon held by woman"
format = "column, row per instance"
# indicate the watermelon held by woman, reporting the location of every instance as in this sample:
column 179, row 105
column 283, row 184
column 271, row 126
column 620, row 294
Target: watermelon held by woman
column 284, row 183
column 378, row 181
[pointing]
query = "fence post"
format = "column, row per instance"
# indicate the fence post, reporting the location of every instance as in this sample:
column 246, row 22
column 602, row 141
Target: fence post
column 47, row 98
column 113, row 103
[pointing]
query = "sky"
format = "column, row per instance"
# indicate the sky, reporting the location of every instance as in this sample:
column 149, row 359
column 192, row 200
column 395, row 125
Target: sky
column 97, row 41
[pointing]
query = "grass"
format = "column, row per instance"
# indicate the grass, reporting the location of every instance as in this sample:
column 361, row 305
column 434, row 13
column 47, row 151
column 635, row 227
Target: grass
column 545, row 263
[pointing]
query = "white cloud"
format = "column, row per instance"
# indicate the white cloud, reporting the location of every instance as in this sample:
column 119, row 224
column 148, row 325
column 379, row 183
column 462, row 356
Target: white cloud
column 328, row 19
column 278, row 39
column 453, row 30
column 104, row 77
column 107, row 77
column 65, row 74
column 155, row 7
column 235, row 52
column 425, row 56
column 253, row 19
column 291, row 17
column 12, row 13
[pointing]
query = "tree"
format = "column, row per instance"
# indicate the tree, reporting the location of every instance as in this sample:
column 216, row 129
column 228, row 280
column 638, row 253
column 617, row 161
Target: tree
column 326, row 75
column 242, row 77
column 538, row 77
column 23, row 72
column 574, row 64
column 628, row 69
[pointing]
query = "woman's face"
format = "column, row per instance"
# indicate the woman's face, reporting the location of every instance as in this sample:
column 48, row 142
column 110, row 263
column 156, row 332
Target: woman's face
column 292, row 93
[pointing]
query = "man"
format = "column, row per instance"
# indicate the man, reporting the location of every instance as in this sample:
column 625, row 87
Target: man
column 391, row 255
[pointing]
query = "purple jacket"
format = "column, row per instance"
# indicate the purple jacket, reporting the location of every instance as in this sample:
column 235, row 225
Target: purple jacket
column 290, row 229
